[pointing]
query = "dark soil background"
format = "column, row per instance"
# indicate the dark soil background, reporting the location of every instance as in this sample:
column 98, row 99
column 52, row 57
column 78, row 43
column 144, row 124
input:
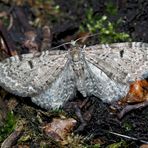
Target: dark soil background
column 64, row 26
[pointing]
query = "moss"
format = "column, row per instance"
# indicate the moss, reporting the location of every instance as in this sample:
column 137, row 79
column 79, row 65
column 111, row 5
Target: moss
column 107, row 30
column 8, row 126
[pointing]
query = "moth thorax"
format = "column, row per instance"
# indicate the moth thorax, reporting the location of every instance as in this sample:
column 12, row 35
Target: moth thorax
column 76, row 54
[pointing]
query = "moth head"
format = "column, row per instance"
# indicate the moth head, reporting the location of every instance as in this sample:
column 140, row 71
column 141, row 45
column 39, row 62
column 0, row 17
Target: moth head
column 76, row 53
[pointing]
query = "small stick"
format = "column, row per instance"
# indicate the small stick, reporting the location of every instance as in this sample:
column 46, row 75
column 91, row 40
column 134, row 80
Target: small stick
column 128, row 108
column 11, row 48
column 128, row 137
column 120, row 135
column 11, row 139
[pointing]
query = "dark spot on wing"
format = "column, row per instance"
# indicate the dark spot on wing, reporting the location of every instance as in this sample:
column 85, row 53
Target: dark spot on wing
column 30, row 64
column 121, row 53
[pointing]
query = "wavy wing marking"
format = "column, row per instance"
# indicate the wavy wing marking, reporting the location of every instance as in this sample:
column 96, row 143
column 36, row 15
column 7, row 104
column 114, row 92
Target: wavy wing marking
column 61, row 90
column 100, row 85
column 122, row 62
column 29, row 75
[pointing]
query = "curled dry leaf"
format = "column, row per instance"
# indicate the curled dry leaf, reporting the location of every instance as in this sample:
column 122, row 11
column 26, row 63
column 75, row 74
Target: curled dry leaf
column 136, row 98
column 144, row 146
column 58, row 129
column 138, row 92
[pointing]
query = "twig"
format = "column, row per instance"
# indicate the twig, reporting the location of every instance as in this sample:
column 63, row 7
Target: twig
column 11, row 48
column 119, row 135
column 11, row 139
column 128, row 137
column 80, row 117
column 129, row 108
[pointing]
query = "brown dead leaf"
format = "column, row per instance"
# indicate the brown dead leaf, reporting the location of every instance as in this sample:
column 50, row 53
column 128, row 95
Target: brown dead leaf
column 23, row 146
column 97, row 141
column 58, row 129
column 144, row 146
column 138, row 92
column 83, row 36
column 136, row 98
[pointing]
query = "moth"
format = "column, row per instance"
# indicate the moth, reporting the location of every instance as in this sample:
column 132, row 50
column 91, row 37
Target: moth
column 53, row 77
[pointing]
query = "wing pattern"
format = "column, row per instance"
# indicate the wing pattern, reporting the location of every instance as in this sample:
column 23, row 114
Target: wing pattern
column 30, row 74
column 102, row 86
column 60, row 91
column 122, row 62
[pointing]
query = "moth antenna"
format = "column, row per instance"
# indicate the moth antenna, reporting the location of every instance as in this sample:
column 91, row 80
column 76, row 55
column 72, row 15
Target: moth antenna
column 73, row 42
column 88, row 36
column 60, row 45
